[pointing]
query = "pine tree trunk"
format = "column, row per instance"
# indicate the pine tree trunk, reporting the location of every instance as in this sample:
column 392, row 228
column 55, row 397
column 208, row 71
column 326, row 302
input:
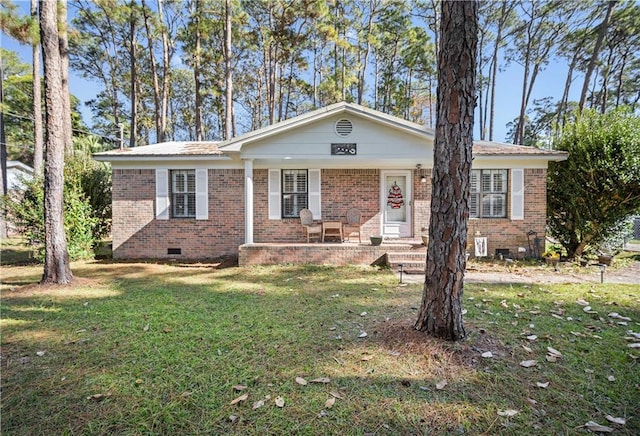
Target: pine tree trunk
column 196, row 73
column 64, row 71
column 228, row 74
column 594, row 56
column 166, row 74
column 56, row 262
column 440, row 313
column 154, row 73
column 133, row 124
column 38, row 132
column 3, row 159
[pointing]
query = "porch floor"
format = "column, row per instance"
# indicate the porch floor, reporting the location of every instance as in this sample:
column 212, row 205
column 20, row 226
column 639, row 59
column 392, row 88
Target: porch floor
column 392, row 252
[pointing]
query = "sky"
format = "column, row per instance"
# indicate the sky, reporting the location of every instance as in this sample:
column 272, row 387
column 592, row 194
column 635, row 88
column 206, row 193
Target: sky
column 550, row 82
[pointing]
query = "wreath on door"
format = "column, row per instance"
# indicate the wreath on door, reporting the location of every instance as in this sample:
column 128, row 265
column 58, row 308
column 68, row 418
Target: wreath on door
column 395, row 200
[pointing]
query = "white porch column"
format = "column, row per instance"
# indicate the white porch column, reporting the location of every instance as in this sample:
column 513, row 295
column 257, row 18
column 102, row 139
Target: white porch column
column 248, row 201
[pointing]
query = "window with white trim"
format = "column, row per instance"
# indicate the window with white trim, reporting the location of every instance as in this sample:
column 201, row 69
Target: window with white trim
column 488, row 194
column 183, row 193
column 295, row 192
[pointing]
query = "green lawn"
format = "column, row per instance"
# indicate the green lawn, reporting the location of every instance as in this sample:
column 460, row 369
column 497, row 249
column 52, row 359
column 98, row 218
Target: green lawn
column 141, row 348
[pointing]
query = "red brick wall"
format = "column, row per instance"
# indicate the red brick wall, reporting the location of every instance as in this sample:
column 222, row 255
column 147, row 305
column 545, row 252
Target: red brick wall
column 341, row 190
column 504, row 233
column 501, row 232
column 138, row 235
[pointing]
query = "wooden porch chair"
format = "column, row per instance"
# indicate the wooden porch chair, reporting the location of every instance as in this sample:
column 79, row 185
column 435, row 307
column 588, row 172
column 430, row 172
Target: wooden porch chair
column 353, row 225
column 311, row 228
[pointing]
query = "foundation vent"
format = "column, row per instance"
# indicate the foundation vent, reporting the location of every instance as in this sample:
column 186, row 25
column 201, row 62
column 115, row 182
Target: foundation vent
column 174, row 251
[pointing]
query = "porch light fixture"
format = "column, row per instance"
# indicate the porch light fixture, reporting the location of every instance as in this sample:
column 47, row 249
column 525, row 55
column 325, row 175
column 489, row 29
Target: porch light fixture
column 423, row 178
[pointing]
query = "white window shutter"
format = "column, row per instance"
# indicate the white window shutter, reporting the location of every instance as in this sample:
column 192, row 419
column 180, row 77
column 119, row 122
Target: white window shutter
column 274, row 195
column 202, row 194
column 517, row 194
column 162, row 194
column 314, row 194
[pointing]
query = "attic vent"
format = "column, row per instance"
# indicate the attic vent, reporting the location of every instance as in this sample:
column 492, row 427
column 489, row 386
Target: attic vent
column 344, row 127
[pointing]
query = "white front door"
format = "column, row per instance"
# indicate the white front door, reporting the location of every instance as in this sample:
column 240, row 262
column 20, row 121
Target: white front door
column 396, row 201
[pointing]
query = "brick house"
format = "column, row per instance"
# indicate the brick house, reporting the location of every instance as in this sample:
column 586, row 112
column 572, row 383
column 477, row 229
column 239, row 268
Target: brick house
column 202, row 200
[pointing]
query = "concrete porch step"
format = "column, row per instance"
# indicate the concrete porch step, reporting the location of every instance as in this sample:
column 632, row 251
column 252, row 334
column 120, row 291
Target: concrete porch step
column 412, row 262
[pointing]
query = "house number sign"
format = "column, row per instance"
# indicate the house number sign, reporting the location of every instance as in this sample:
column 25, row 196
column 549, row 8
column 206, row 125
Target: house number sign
column 343, row 149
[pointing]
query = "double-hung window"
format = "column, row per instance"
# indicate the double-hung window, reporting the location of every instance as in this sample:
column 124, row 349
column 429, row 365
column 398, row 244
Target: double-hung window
column 488, row 194
column 183, row 193
column 295, row 192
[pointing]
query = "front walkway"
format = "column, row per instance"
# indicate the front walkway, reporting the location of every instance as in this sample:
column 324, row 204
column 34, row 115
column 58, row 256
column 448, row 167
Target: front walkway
column 546, row 275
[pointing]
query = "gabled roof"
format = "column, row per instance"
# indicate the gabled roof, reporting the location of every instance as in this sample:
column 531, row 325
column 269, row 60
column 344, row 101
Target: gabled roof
column 191, row 150
column 235, row 144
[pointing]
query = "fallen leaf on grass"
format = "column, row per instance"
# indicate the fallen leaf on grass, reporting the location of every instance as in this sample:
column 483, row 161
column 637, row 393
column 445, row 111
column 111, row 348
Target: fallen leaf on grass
column 527, row 349
column 508, row 412
column 394, row 353
column 594, row 426
column 544, row 385
column 528, row 363
column 301, row 381
column 615, row 315
column 615, row 420
column 40, row 353
column 611, row 378
column 258, row 404
column 363, row 314
column 582, row 302
column 367, row 357
column 554, row 352
column 239, row 388
column 98, row 397
column 233, row 418
column 441, row 384
column 336, row 394
column 330, row 402
column 239, row 399
column 362, row 335
column 633, row 345
column 487, row 354
column 145, row 328
column 167, row 330
column 185, row 394
column 280, row 402
column 321, row 380
column 532, row 338
column 551, row 358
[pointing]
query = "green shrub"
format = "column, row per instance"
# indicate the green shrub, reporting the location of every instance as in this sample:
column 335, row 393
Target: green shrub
column 87, row 208
column 593, row 192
